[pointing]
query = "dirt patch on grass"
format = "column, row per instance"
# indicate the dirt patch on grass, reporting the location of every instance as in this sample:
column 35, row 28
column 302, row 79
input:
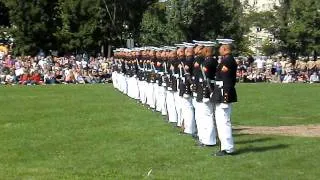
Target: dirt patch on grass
column 301, row 130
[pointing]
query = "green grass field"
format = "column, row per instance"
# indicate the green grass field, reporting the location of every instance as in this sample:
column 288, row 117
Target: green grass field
column 95, row 132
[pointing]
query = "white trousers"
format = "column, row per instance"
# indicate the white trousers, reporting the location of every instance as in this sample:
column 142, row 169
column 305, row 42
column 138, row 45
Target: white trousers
column 150, row 95
column 142, row 91
column 123, row 84
column 136, row 92
column 130, row 86
column 126, row 81
column 171, row 107
column 160, row 98
column 157, row 100
column 114, row 79
column 223, row 121
column 118, row 81
column 204, row 115
column 188, row 115
column 178, row 104
column 164, row 111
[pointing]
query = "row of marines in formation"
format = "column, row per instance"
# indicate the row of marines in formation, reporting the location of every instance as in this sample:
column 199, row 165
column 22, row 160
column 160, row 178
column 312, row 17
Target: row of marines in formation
column 189, row 83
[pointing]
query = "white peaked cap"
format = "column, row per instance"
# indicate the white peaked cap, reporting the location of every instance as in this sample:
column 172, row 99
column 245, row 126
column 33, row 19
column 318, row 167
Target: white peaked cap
column 180, row 45
column 137, row 49
column 158, row 49
column 188, row 45
column 225, row 41
column 170, row 48
column 205, row 43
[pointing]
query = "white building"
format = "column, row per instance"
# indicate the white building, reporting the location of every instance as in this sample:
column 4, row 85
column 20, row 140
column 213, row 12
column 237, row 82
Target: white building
column 257, row 35
column 260, row 5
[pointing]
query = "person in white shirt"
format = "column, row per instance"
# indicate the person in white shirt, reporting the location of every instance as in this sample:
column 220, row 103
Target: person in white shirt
column 314, row 78
column 287, row 78
column 42, row 62
column 10, row 78
column 260, row 64
column 84, row 64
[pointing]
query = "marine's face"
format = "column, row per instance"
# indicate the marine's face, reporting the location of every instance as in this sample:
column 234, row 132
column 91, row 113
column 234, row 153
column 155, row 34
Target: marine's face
column 198, row 50
column 173, row 54
column 181, row 52
column 158, row 54
column 163, row 54
column 208, row 51
column 222, row 50
column 152, row 53
column 189, row 52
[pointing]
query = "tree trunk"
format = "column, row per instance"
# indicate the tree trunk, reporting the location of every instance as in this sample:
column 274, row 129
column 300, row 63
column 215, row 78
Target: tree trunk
column 109, row 50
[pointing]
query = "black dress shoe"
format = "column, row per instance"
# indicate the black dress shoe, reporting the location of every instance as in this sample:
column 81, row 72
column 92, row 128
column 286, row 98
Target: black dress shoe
column 223, row 153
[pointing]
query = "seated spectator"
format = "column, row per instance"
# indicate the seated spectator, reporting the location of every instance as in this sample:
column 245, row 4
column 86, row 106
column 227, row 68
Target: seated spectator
column 10, row 78
column 25, row 78
column 268, row 75
column 2, row 77
column 70, row 77
column 314, row 78
column 36, row 78
column 49, row 78
column 103, row 77
column 93, row 78
column 79, row 78
column 59, row 77
column 87, row 78
column 275, row 78
column 302, row 77
column 288, row 78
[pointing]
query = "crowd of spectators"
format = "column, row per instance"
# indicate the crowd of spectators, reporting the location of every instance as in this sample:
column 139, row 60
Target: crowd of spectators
column 278, row 70
column 42, row 70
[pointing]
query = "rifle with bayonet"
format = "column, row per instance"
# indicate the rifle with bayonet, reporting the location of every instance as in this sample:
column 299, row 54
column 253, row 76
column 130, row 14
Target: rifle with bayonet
column 207, row 89
column 186, row 80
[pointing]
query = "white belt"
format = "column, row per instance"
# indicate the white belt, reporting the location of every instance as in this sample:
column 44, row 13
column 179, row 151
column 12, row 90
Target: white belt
column 219, row 83
column 176, row 75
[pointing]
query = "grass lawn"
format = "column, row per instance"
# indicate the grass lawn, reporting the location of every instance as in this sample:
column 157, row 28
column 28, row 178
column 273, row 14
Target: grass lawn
column 95, row 132
column 277, row 104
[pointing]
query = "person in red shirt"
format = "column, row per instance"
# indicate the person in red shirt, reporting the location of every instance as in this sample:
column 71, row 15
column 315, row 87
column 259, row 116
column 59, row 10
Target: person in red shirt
column 36, row 78
column 25, row 78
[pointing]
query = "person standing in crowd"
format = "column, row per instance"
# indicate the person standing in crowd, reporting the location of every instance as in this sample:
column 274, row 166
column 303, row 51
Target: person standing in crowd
column 224, row 95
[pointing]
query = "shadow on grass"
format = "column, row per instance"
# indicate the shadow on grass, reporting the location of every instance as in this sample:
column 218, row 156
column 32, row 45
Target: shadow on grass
column 251, row 148
column 254, row 140
column 261, row 149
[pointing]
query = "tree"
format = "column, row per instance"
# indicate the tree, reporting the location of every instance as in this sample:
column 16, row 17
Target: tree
column 187, row 20
column 73, row 25
column 299, row 27
column 33, row 24
column 4, row 15
column 154, row 30
column 268, row 48
column 94, row 23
